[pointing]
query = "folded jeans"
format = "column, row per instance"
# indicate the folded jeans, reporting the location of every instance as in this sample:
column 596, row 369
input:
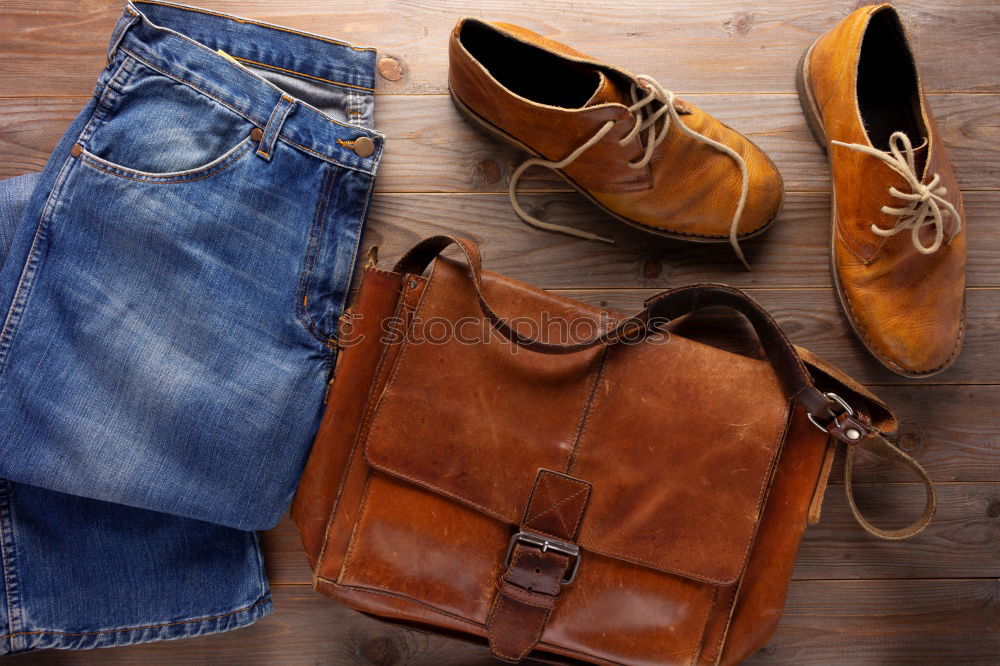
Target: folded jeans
column 169, row 291
column 170, row 299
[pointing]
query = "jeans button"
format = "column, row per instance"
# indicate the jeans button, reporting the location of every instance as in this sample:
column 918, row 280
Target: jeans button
column 256, row 134
column 363, row 146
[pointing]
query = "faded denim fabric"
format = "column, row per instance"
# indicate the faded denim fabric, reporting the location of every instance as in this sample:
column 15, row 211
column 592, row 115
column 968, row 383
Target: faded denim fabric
column 14, row 193
column 168, row 307
column 78, row 573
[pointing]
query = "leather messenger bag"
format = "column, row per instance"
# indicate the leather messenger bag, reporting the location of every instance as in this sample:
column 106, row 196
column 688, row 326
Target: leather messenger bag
column 605, row 492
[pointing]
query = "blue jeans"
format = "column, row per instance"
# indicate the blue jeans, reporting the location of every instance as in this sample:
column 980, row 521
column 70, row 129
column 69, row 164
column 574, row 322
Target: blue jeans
column 168, row 307
column 173, row 288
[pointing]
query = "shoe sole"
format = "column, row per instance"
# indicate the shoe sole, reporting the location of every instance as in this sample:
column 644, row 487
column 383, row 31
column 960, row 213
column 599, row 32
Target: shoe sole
column 811, row 111
column 488, row 127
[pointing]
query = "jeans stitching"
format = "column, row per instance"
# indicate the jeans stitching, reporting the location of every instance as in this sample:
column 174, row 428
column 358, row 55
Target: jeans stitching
column 142, row 627
column 237, row 19
column 32, row 264
column 11, row 592
column 331, row 160
column 261, row 571
column 119, row 34
column 123, row 172
column 353, row 104
column 185, row 82
column 308, row 76
column 272, row 131
column 256, row 121
column 107, row 99
column 266, row 154
column 312, row 252
column 357, row 246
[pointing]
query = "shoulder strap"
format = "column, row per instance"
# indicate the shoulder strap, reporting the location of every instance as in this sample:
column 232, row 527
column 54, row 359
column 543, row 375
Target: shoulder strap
column 659, row 310
column 826, row 410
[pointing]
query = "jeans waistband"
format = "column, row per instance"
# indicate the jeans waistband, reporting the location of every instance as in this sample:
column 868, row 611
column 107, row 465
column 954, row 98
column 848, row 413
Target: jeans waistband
column 183, row 42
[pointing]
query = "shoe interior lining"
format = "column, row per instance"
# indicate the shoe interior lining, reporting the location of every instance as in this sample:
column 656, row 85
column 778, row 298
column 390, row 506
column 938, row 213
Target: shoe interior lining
column 888, row 95
column 530, row 71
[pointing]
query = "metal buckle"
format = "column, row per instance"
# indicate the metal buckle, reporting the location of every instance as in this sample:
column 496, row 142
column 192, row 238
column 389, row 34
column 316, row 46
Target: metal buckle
column 836, row 398
column 545, row 544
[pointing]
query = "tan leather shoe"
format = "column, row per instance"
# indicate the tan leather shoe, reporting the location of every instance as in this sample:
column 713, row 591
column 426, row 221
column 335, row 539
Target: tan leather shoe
column 647, row 158
column 898, row 248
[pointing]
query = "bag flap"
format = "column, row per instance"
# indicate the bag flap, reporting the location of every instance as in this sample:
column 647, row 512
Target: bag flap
column 678, row 439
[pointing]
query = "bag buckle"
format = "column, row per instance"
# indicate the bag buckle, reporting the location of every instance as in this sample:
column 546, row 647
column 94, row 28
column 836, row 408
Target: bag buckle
column 852, row 434
column 545, row 544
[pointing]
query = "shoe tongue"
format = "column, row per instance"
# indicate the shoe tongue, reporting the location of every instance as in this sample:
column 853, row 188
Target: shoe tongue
column 610, row 92
column 607, row 92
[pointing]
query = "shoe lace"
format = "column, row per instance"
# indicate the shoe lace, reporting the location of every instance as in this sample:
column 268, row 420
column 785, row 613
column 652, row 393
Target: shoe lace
column 648, row 121
column 925, row 204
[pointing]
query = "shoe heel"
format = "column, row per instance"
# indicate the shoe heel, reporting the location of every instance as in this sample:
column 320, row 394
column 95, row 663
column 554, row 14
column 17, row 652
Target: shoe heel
column 807, row 101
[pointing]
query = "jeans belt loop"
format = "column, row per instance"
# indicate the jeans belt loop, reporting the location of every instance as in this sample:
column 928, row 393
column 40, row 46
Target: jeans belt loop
column 128, row 19
column 273, row 128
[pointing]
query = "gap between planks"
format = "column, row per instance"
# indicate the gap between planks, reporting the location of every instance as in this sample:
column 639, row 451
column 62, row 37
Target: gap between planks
column 679, row 93
column 778, row 288
column 811, row 580
column 504, row 193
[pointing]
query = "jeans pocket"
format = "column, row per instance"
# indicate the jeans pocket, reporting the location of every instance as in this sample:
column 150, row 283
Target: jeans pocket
column 224, row 161
column 152, row 126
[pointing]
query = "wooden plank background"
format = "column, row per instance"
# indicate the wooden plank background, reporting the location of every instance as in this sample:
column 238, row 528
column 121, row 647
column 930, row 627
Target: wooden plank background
column 854, row 600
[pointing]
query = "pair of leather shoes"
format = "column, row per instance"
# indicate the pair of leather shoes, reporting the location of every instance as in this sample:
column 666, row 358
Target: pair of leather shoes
column 665, row 166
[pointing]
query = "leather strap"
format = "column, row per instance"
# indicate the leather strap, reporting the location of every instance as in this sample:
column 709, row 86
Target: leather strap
column 531, row 584
column 527, row 591
column 872, row 440
column 659, row 310
column 795, row 377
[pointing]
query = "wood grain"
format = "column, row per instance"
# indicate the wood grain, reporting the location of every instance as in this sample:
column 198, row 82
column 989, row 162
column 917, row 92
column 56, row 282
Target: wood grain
column 695, row 45
column 888, row 622
column 854, row 600
column 431, row 148
column 952, row 430
column 435, row 149
column 960, row 543
column 825, row 622
column 793, row 253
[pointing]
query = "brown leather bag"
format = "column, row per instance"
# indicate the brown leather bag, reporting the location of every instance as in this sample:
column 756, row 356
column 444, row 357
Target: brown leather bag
column 621, row 495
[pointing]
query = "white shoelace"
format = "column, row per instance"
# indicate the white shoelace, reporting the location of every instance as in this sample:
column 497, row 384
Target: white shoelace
column 654, row 137
column 926, row 204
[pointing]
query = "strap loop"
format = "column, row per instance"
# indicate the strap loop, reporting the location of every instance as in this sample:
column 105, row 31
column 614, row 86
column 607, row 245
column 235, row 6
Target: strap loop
column 844, row 428
column 128, row 19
